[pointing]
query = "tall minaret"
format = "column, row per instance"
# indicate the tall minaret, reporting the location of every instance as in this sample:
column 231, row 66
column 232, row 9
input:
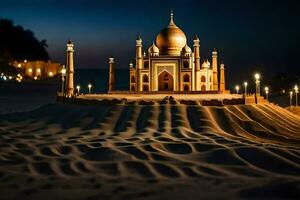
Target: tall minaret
column 196, row 59
column 70, row 69
column 215, row 69
column 111, row 81
column 222, row 78
column 139, row 61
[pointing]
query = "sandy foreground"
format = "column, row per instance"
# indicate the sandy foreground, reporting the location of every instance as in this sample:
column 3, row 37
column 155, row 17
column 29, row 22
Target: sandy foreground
column 160, row 151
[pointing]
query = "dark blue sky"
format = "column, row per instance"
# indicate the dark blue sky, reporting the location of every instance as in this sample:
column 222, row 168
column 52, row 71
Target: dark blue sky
column 249, row 35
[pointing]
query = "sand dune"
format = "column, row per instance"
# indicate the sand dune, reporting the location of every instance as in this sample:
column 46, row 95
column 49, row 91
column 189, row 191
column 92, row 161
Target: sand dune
column 165, row 150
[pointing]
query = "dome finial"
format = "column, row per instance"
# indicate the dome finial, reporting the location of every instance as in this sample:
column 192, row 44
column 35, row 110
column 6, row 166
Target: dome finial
column 172, row 18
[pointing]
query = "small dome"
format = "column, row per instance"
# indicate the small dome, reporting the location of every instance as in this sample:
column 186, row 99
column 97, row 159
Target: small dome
column 205, row 65
column 208, row 63
column 153, row 49
column 171, row 39
column 186, row 49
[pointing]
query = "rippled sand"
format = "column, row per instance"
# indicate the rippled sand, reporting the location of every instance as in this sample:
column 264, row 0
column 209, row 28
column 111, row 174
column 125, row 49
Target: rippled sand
column 160, row 151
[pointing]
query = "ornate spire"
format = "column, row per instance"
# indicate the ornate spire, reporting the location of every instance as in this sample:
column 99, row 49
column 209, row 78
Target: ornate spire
column 172, row 19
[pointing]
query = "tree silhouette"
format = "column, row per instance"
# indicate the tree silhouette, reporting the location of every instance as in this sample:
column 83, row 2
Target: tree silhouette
column 18, row 44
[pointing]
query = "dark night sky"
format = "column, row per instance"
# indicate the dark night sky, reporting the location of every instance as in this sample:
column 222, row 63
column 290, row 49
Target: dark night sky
column 249, row 35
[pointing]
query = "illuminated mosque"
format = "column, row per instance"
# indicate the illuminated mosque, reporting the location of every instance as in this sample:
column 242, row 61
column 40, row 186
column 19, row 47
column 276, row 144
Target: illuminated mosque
column 171, row 65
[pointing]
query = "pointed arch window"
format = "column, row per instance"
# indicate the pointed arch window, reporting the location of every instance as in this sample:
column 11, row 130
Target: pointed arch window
column 203, row 79
column 145, row 79
column 186, row 78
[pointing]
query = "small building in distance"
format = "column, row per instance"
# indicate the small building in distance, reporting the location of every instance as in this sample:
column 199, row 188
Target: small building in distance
column 38, row 69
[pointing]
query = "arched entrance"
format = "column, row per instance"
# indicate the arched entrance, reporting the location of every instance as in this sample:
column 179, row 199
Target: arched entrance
column 165, row 82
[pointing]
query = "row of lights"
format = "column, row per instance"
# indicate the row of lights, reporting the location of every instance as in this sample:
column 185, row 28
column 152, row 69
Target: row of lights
column 89, row 87
column 257, row 84
column 63, row 74
column 4, row 77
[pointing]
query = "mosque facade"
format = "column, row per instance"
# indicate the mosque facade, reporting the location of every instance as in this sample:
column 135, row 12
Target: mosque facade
column 169, row 64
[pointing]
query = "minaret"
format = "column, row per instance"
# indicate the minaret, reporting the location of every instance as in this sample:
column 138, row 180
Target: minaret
column 196, row 59
column 111, row 83
column 132, row 78
column 215, row 69
column 222, row 78
column 139, row 61
column 70, row 69
column 197, row 53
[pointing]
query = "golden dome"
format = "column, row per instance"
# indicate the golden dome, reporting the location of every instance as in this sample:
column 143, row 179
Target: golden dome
column 186, row 49
column 153, row 49
column 171, row 39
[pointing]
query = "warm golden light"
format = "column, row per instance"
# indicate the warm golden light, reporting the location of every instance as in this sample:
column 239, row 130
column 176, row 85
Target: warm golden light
column 35, row 78
column 50, row 74
column 19, row 65
column 257, row 76
column 237, row 88
column 90, row 86
column 267, row 89
column 63, row 71
column 30, row 70
column 78, row 89
column 245, row 84
column 38, row 70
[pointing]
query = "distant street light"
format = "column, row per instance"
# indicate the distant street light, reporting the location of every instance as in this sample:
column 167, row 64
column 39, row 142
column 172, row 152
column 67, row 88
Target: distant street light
column 245, row 85
column 296, row 93
column 237, row 88
column 90, row 87
column 63, row 74
column 291, row 98
column 257, row 83
column 267, row 92
column 78, row 89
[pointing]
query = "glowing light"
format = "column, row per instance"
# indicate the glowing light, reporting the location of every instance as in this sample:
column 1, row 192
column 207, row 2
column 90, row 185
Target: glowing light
column 257, row 83
column 38, row 70
column 267, row 89
column 90, row 87
column 63, row 71
column 30, row 70
column 10, row 77
column 35, row 78
column 78, row 89
column 19, row 65
column 237, row 88
column 296, row 92
column 25, row 61
column 245, row 85
column 50, row 74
